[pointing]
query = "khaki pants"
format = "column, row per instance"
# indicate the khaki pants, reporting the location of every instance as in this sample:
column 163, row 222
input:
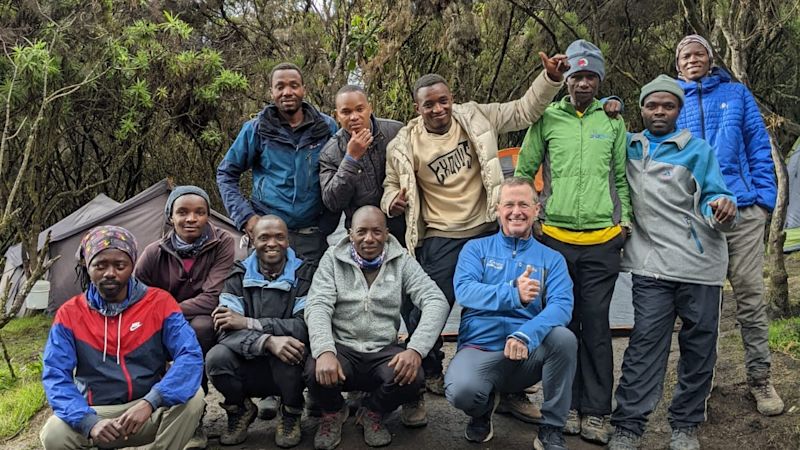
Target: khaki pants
column 746, row 275
column 167, row 429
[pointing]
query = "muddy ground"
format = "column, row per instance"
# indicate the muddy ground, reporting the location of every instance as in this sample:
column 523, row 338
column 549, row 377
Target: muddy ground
column 732, row 419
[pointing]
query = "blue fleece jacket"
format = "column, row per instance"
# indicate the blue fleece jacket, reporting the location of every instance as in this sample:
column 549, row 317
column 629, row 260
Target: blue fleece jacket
column 724, row 114
column 485, row 286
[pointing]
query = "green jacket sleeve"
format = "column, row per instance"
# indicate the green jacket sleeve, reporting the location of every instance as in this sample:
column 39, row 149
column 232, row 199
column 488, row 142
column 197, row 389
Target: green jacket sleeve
column 620, row 178
column 532, row 152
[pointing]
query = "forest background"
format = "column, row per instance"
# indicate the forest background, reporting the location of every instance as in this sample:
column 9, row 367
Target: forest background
column 112, row 96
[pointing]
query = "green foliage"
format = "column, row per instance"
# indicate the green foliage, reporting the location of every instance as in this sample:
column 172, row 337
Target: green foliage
column 784, row 336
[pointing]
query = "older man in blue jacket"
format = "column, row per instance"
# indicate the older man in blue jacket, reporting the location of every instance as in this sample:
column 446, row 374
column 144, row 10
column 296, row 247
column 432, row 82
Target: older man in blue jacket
column 724, row 113
column 517, row 300
column 281, row 145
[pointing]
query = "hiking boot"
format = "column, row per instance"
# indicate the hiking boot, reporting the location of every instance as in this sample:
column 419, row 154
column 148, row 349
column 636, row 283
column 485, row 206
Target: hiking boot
column 199, row 441
column 413, row 414
column 239, row 418
column 268, row 407
column 684, row 439
column 435, row 384
column 354, row 399
column 549, row 438
column 480, row 429
column 520, row 406
column 375, row 433
column 623, row 439
column 329, row 432
column 573, row 425
column 595, row 429
column 768, row 402
column 287, row 433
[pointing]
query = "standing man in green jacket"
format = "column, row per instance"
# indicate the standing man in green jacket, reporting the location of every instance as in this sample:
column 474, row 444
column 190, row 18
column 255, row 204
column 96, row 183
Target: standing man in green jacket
column 586, row 212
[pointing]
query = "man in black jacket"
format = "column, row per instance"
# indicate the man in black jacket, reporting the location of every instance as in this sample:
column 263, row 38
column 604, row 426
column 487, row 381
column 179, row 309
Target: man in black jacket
column 262, row 336
column 352, row 165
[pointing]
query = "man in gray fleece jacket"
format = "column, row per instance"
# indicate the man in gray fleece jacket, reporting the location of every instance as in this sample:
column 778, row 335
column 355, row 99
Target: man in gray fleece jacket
column 353, row 316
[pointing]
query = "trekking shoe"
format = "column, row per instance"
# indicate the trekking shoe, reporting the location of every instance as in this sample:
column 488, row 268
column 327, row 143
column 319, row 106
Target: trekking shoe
column 480, row 429
column 268, row 407
column 239, row 418
column 595, row 429
column 549, row 438
column 354, row 399
column 520, row 406
column 199, row 441
column 768, row 402
column 329, row 432
column 624, row 440
column 375, row 433
column 573, row 426
column 684, row 439
column 435, row 384
column 413, row 414
column 287, row 433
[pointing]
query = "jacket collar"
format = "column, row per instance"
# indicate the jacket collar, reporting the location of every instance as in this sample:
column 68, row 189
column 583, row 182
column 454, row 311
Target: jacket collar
column 213, row 240
column 254, row 278
column 270, row 125
column 681, row 139
column 565, row 104
column 342, row 250
column 514, row 243
column 717, row 76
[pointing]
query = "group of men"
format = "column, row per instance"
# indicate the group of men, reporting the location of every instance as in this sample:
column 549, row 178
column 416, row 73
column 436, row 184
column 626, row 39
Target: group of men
column 431, row 222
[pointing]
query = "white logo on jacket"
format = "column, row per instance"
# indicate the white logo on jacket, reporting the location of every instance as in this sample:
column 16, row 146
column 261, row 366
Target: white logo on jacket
column 135, row 326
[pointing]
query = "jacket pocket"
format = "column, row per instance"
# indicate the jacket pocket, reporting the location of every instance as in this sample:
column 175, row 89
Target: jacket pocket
column 693, row 234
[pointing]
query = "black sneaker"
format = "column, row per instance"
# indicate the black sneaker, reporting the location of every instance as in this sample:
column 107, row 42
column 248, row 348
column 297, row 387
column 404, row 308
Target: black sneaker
column 549, row 438
column 480, row 429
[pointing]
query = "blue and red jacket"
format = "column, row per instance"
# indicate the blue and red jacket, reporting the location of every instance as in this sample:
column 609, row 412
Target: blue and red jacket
column 121, row 358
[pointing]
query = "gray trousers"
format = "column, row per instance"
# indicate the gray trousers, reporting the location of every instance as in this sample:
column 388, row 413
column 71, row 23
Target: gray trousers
column 475, row 375
column 656, row 303
column 745, row 273
column 168, row 428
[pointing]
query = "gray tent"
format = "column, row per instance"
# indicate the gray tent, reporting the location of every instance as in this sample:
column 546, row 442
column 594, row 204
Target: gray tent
column 792, row 226
column 143, row 215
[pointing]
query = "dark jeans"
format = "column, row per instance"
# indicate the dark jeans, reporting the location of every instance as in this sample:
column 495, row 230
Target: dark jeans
column 367, row 372
column 309, row 244
column 237, row 378
column 594, row 270
column 438, row 256
column 656, row 303
column 203, row 327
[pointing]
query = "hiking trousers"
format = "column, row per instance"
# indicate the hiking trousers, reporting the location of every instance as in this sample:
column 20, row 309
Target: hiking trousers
column 656, row 304
column 168, row 428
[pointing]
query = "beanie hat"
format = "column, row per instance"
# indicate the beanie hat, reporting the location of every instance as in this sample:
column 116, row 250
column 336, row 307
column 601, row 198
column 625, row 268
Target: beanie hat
column 106, row 237
column 662, row 83
column 180, row 191
column 693, row 39
column 585, row 56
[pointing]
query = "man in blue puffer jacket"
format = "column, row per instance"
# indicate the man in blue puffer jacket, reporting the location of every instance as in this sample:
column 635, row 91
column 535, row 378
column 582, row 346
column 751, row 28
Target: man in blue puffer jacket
column 281, row 145
column 724, row 113
column 517, row 300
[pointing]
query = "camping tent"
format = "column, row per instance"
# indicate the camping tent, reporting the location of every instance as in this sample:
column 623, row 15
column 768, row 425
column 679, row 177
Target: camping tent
column 792, row 226
column 143, row 215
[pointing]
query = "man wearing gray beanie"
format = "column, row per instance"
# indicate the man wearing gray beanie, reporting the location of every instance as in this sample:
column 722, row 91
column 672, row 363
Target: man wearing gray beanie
column 586, row 214
column 681, row 275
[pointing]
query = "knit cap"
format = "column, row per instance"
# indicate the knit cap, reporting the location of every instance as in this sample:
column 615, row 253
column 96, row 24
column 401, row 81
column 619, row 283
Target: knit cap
column 180, row 191
column 585, row 56
column 662, row 83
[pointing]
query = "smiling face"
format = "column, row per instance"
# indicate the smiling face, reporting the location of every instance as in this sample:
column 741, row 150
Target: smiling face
column 271, row 241
column 435, row 105
column 368, row 232
column 582, row 87
column 110, row 271
column 353, row 111
column 517, row 210
column 660, row 112
column 189, row 217
column 287, row 90
column 693, row 62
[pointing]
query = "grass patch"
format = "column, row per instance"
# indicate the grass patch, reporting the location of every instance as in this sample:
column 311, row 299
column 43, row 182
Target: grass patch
column 20, row 399
column 784, row 336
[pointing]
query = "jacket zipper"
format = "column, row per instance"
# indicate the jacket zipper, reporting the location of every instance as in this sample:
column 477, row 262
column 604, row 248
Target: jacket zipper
column 693, row 233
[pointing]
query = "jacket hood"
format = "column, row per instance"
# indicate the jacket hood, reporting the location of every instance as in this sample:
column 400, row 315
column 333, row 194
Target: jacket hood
column 270, row 127
column 254, row 278
column 136, row 290
column 393, row 250
column 717, row 76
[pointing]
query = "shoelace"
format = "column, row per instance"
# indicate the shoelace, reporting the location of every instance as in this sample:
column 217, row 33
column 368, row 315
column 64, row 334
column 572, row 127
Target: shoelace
column 375, row 418
column 326, row 423
column 594, row 421
column 288, row 421
column 762, row 389
column 520, row 396
column 552, row 436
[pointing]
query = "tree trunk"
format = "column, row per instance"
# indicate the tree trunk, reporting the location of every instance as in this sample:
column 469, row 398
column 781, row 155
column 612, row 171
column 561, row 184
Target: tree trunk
column 778, row 285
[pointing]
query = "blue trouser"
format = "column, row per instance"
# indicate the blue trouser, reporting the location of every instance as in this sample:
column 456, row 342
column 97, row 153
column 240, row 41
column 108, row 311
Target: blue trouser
column 475, row 375
column 656, row 304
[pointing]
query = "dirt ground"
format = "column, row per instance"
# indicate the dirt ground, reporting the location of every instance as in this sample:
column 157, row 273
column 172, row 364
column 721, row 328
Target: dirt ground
column 732, row 419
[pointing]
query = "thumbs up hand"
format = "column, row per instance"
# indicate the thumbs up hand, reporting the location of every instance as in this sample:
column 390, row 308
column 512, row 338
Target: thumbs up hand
column 398, row 205
column 528, row 288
